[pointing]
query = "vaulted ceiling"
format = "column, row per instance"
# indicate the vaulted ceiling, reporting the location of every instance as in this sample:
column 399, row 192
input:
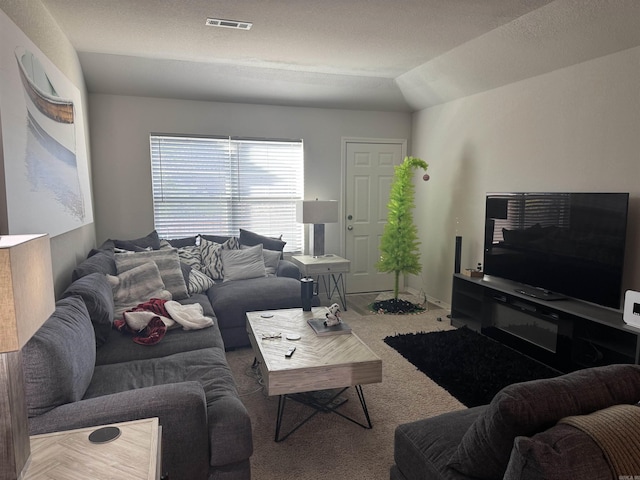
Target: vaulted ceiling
column 395, row 55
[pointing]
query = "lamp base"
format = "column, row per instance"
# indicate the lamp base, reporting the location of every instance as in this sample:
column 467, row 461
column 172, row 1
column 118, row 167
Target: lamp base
column 316, row 241
column 14, row 429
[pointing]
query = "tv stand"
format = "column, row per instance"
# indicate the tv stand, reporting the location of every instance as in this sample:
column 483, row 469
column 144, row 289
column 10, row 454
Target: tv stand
column 566, row 334
column 539, row 293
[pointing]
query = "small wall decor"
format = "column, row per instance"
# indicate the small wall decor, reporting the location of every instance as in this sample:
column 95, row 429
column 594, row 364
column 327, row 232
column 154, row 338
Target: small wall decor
column 43, row 150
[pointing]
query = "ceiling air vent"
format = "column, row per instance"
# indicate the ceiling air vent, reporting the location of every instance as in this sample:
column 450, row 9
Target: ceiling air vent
column 219, row 22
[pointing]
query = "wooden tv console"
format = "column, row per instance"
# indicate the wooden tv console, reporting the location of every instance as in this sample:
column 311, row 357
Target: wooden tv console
column 567, row 334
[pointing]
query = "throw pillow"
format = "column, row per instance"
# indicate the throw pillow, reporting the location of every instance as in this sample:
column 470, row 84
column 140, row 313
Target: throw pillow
column 58, row 360
column 191, row 256
column 199, row 282
column 243, row 264
column 168, row 263
column 136, row 286
column 271, row 259
column 96, row 292
column 524, row 409
column 211, row 259
column 270, row 243
column 558, row 453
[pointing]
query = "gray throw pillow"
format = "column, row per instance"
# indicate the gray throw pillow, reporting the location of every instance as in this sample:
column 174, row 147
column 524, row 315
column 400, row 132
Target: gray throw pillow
column 58, row 360
column 271, row 259
column 96, row 292
column 558, row 453
column 135, row 286
column 168, row 263
column 243, row 264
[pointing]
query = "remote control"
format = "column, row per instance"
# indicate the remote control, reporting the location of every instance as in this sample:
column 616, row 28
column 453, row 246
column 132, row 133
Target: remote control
column 290, row 352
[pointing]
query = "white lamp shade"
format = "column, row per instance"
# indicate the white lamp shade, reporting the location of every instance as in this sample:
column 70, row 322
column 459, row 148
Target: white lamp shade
column 317, row 211
column 26, row 288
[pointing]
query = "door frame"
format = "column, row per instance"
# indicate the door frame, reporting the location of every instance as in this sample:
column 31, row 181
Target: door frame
column 343, row 177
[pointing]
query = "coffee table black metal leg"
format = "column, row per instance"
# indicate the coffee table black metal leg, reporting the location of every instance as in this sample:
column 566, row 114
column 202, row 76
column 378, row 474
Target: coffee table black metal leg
column 281, row 401
column 364, row 404
column 319, row 407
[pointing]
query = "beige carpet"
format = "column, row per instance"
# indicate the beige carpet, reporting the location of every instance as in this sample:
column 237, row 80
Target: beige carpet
column 329, row 446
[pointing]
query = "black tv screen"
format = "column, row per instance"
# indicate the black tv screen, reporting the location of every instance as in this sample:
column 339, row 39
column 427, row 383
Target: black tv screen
column 558, row 245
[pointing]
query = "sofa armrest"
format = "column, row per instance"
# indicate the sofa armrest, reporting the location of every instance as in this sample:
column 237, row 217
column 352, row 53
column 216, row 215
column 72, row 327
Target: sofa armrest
column 180, row 408
column 287, row 268
column 230, row 431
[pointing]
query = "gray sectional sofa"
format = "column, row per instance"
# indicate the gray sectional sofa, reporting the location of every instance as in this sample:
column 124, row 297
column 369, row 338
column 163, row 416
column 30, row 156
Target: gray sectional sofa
column 584, row 424
column 82, row 372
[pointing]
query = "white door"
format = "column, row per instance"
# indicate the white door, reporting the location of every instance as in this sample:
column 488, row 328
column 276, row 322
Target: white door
column 369, row 169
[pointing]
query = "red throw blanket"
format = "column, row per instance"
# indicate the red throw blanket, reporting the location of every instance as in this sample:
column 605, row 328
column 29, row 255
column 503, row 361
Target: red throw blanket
column 155, row 329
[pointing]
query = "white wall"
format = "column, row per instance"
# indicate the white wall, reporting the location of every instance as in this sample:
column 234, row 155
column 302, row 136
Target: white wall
column 35, row 21
column 575, row 129
column 120, row 128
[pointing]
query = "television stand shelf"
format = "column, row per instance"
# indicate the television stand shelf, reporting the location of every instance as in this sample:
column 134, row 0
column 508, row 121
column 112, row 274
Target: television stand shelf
column 567, row 334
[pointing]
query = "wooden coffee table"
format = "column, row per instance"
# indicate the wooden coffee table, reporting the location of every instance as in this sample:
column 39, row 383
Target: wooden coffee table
column 319, row 362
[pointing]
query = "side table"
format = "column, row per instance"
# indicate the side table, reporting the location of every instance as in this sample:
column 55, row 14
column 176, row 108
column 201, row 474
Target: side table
column 328, row 267
column 135, row 454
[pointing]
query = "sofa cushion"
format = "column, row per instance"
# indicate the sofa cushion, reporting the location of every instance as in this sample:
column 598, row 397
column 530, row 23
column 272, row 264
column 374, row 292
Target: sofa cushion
column 228, row 421
column 100, row 262
column 558, row 453
column 211, row 256
column 136, row 286
column 152, row 240
column 243, row 264
column 58, row 361
column 270, row 243
column 524, row 409
column 215, row 238
column 123, row 349
column 183, row 242
column 97, row 295
column 168, row 264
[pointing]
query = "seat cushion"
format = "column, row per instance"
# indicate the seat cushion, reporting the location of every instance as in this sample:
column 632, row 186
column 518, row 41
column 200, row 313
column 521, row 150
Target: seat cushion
column 524, row 409
column 59, row 359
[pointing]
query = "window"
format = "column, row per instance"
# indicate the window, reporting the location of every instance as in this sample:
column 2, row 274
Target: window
column 218, row 185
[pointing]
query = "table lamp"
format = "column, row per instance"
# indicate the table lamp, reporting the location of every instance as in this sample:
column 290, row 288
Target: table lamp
column 317, row 213
column 26, row 301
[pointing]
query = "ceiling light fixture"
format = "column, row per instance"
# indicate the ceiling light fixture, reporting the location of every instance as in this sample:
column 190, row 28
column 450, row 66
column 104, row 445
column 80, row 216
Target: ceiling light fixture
column 219, row 22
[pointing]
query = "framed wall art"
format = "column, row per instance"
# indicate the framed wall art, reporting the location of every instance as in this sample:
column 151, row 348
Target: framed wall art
column 44, row 149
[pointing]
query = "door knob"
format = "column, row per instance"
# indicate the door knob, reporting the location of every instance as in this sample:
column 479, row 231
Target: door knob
column 349, row 217
column 350, row 227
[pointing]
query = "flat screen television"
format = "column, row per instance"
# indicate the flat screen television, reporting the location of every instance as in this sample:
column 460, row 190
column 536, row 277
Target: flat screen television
column 558, row 245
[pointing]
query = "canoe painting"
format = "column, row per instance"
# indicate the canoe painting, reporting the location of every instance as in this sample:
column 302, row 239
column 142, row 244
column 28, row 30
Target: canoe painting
column 51, row 148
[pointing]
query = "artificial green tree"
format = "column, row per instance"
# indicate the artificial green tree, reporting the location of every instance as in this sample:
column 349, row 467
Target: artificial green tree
column 399, row 243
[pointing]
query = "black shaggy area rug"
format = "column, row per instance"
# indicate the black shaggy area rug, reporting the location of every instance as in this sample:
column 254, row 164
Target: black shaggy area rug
column 469, row 365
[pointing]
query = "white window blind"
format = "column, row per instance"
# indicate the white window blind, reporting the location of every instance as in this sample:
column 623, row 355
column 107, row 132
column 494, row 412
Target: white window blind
column 216, row 186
